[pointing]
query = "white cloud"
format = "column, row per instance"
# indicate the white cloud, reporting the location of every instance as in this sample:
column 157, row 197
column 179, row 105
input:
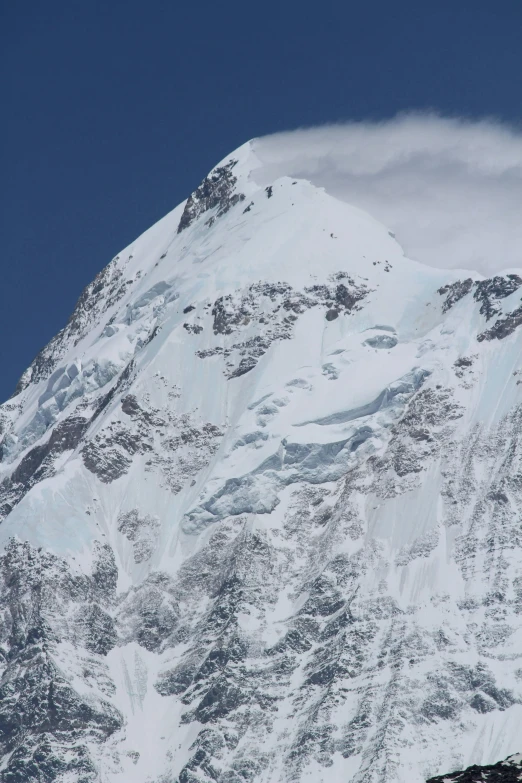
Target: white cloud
column 450, row 189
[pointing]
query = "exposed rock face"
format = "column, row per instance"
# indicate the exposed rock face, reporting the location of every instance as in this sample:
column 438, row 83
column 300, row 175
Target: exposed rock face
column 141, row 531
column 46, row 724
column 455, row 292
column 489, row 292
column 39, row 462
column 107, row 288
column 261, row 506
column 272, row 310
column 216, row 192
column 508, row 771
column 503, row 327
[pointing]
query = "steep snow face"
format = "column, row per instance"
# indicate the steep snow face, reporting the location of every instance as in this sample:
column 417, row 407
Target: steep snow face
column 261, row 502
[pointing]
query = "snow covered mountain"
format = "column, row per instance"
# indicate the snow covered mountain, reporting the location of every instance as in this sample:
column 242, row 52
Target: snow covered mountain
column 261, row 504
column 507, row 771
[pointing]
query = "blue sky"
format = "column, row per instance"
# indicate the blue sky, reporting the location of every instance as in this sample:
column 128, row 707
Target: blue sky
column 113, row 112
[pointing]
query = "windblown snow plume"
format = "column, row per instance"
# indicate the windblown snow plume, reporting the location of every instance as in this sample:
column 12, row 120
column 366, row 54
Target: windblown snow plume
column 450, row 189
column 260, row 498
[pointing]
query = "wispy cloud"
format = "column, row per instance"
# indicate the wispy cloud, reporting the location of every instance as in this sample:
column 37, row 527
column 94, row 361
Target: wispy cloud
column 450, row 189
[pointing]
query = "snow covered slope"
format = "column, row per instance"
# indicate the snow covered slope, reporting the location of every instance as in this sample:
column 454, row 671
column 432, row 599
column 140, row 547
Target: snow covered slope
column 261, row 505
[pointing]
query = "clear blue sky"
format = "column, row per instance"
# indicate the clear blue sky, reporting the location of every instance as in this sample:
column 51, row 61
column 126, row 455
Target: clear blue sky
column 113, row 111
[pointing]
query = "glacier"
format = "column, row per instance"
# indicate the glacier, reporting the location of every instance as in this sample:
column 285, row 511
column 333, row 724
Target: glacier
column 260, row 505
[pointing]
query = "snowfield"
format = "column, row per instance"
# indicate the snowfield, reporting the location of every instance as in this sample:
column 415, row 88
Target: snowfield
column 261, row 504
